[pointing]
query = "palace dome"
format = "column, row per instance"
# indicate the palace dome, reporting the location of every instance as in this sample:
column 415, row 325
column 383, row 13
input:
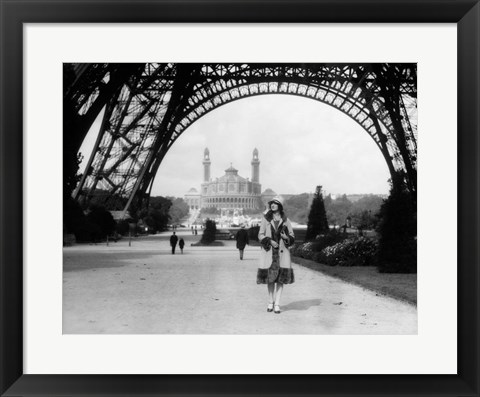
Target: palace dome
column 269, row 192
column 231, row 175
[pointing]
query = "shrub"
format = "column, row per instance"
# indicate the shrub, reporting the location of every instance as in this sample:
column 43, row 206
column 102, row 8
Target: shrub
column 69, row 240
column 294, row 248
column 309, row 249
column 86, row 231
column 123, row 227
column 398, row 230
column 357, row 251
column 303, row 250
column 209, row 232
column 73, row 217
column 103, row 219
column 331, row 238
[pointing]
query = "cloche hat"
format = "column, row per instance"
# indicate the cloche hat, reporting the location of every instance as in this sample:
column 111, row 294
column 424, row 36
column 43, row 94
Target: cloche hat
column 276, row 200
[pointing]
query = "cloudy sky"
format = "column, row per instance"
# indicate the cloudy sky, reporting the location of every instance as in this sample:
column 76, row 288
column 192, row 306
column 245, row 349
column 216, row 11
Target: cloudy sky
column 301, row 142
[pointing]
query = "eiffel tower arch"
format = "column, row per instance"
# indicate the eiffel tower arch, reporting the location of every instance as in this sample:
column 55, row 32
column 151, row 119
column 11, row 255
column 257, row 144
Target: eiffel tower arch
column 148, row 106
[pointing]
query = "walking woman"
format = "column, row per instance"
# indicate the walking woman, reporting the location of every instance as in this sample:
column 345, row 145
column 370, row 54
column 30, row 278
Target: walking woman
column 275, row 236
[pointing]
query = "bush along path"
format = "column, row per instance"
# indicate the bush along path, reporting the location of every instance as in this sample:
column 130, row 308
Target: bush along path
column 352, row 260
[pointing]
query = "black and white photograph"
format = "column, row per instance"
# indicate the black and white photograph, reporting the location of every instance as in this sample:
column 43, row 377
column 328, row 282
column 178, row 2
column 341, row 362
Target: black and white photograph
column 228, row 176
column 240, row 198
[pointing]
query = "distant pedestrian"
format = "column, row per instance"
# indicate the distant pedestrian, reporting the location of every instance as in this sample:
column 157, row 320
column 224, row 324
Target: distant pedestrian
column 276, row 237
column 242, row 240
column 181, row 244
column 196, row 232
column 192, row 230
column 173, row 242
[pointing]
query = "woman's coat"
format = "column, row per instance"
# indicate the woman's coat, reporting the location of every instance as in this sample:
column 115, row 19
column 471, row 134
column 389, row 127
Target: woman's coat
column 265, row 235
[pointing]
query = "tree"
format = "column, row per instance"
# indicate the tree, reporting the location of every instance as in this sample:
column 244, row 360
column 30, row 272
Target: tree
column 160, row 203
column 338, row 210
column 178, row 210
column 209, row 232
column 371, row 203
column 317, row 218
column 363, row 220
column 398, row 230
column 75, row 221
column 71, row 176
column 71, row 157
column 157, row 214
column 297, row 207
column 104, row 198
column 73, row 216
column 365, row 212
column 327, row 201
column 123, row 226
column 103, row 219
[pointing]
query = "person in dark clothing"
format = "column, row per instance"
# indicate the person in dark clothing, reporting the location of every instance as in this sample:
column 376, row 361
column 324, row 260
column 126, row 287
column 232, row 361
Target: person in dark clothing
column 173, row 242
column 242, row 240
column 181, row 244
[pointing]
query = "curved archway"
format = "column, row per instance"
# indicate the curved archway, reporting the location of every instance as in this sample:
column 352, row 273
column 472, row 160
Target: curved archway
column 317, row 144
column 331, row 96
column 360, row 116
column 145, row 118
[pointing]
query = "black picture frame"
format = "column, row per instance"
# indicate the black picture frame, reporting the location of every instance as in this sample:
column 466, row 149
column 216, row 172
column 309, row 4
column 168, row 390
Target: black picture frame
column 465, row 13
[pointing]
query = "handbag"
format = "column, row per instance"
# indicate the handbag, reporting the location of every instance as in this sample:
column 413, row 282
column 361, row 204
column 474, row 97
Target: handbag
column 265, row 259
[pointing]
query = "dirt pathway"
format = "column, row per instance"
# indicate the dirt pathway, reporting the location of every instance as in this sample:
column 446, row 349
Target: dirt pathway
column 143, row 289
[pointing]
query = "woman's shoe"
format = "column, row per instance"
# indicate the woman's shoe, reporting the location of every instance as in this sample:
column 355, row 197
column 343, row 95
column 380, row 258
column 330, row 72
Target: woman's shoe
column 277, row 309
column 270, row 307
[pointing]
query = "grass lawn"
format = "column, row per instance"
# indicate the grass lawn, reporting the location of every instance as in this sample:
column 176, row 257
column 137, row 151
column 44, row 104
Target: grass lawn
column 398, row 286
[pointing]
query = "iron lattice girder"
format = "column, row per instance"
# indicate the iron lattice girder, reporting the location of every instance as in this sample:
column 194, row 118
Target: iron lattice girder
column 160, row 101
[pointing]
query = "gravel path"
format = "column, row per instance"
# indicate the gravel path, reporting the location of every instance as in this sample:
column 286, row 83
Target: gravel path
column 143, row 289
